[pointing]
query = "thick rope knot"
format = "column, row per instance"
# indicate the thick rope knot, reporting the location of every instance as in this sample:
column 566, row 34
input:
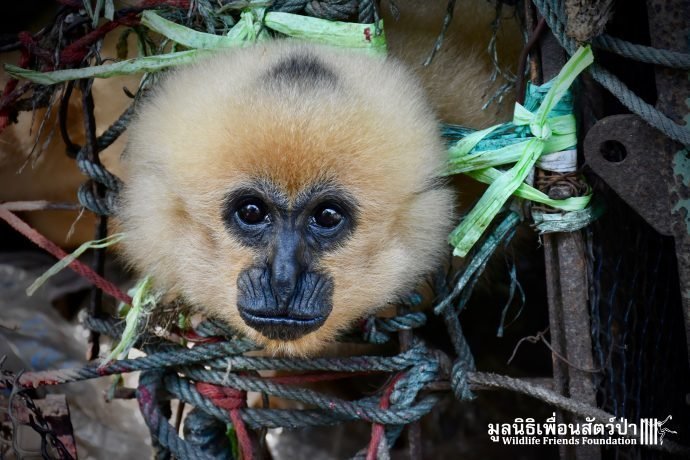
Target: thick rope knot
column 459, row 382
column 101, row 205
column 408, row 387
column 231, row 400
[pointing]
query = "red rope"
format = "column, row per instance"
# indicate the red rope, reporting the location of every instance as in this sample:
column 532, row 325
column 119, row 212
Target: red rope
column 47, row 245
column 377, row 430
column 77, row 50
column 191, row 336
column 231, row 400
column 314, row 377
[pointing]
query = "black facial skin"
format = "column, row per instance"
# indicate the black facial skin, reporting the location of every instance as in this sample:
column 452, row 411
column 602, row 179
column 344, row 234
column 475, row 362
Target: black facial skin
column 283, row 295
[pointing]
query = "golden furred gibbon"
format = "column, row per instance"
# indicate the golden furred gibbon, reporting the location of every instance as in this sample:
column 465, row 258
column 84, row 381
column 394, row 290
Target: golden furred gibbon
column 288, row 189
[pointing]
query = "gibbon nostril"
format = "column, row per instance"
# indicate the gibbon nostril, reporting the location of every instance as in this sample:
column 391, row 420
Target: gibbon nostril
column 283, row 281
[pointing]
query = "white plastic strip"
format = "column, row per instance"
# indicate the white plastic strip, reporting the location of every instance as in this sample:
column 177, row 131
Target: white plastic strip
column 563, row 162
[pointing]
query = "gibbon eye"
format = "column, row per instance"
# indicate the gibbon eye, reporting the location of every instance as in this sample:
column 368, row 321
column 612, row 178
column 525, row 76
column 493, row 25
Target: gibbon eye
column 252, row 211
column 328, row 216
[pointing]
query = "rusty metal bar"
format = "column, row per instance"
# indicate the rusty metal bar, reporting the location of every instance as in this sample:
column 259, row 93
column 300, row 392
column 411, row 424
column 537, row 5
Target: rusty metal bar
column 567, row 291
column 101, row 230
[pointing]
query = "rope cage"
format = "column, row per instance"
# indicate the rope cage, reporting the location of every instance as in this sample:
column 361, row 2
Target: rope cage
column 602, row 297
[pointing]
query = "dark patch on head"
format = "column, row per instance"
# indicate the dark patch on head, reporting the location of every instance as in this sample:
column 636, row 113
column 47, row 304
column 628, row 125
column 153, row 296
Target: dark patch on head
column 301, row 69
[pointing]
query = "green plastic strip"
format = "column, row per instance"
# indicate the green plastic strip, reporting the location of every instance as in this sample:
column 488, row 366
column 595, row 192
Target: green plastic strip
column 64, row 262
column 526, row 191
column 334, row 33
column 128, row 67
column 144, row 300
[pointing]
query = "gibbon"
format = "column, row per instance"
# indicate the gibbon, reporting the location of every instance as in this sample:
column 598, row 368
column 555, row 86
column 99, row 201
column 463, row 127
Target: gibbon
column 291, row 189
column 294, row 191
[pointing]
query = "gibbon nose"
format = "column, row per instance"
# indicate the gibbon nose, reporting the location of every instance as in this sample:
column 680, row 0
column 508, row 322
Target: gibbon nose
column 286, row 268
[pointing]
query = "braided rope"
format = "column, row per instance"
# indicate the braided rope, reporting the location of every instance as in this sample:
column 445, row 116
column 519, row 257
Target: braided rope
column 118, row 127
column 104, row 326
column 338, row 10
column 641, row 53
column 353, row 410
column 350, row 364
column 464, row 362
column 213, row 328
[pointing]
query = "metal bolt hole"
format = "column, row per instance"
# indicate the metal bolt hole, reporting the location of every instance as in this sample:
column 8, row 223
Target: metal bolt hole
column 613, row 151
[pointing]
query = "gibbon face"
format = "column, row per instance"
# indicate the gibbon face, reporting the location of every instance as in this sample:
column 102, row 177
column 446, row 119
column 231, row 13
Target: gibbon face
column 287, row 189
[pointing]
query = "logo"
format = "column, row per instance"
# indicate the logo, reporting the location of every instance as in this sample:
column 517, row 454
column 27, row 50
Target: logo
column 652, row 431
column 616, row 431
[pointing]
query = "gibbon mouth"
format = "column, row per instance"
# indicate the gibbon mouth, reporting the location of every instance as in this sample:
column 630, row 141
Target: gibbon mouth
column 282, row 327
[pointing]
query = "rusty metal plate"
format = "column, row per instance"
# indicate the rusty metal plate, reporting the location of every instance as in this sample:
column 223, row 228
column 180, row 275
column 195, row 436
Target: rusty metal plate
column 623, row 151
